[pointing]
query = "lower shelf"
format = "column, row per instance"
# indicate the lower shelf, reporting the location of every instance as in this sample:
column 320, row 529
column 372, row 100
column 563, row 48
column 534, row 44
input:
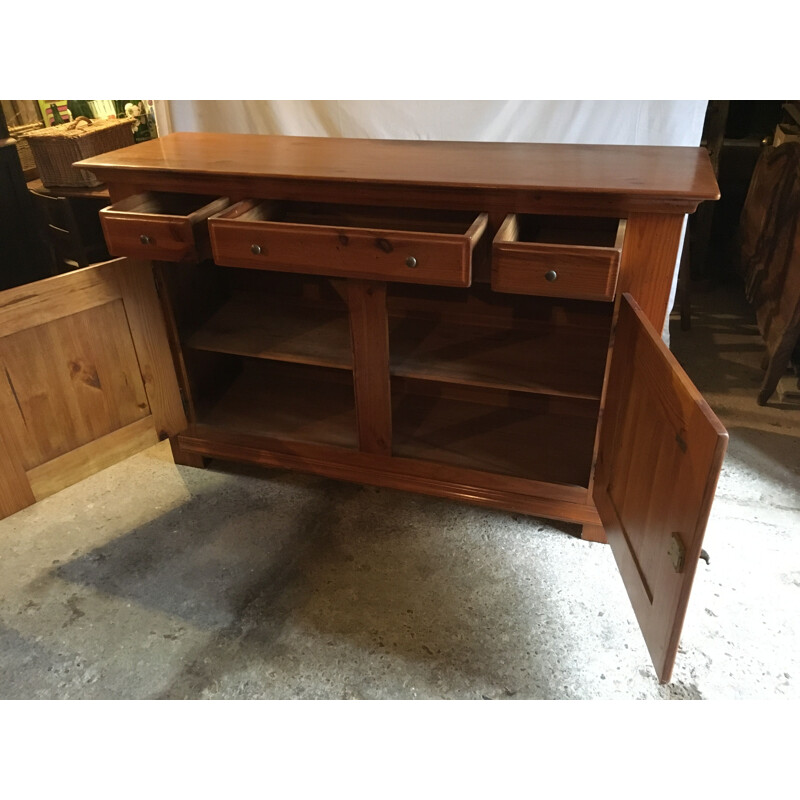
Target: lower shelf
column 529, row 437
column 515, row 434
column 286, row 401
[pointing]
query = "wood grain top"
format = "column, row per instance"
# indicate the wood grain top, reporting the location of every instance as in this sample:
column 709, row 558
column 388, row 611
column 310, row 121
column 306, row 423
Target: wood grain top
column 680, row 174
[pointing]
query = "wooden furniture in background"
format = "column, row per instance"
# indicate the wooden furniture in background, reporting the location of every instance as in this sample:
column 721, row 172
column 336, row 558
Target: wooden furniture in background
column 69, row 221
column 770, row 257
column 72, row 230
column 99, row 193
column 434, row 317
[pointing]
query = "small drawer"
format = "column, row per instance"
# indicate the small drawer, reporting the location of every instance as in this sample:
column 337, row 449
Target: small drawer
column 406, row 245
column 161, row 226
column 571, row 257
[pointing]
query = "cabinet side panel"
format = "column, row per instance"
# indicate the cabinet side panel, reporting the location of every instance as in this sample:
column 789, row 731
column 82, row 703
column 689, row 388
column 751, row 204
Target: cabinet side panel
column 648, row 262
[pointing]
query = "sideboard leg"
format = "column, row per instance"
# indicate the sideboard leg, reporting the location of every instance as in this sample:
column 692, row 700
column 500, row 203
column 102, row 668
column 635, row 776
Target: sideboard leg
column 186, row 459
column 594, row 533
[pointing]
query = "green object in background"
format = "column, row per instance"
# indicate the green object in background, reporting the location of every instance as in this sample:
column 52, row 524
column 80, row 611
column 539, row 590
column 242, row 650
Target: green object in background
column 79, row 108
column 45, row 106
column 138, row 110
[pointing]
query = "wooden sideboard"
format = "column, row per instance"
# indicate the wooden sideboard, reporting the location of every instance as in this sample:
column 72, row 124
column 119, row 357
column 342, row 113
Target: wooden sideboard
column 475, row 321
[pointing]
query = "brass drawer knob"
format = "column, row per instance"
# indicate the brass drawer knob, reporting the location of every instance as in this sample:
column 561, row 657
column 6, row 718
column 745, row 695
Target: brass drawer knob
column 145, row 239
column 550, row 275
column 255, row 249
column 411, row 262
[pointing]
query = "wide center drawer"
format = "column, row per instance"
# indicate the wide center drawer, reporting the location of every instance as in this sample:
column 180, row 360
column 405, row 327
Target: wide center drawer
column 571, row 257
column 160, row 226
column 406, row 245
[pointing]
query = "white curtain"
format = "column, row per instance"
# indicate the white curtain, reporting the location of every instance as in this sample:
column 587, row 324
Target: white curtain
column 645, row 122
column 640, row 122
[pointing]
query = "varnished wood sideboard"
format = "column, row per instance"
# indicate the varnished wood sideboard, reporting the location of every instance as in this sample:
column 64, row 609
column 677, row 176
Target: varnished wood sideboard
column 471, row 320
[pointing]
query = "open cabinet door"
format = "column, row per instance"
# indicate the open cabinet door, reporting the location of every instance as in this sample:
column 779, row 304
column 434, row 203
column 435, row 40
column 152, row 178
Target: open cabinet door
column 660, row 454
column 86, row 378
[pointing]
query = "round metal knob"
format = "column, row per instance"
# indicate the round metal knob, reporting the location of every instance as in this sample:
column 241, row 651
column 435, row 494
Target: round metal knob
column 551, row 275
column 255, row 249
column 411, row 262
column 145, row 239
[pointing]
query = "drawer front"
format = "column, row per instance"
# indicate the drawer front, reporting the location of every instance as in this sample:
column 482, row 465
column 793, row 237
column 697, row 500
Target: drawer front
column 555, row 270
column 133, row 229
column 388, row 255
column 154, row 239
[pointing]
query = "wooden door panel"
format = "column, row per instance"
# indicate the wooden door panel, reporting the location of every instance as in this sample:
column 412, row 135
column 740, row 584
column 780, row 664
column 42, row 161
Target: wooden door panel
column 661, row 450
column 85, row 378
column 71, row 381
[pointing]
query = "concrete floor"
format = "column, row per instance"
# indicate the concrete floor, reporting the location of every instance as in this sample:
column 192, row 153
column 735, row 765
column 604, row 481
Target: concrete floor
column 155, row 581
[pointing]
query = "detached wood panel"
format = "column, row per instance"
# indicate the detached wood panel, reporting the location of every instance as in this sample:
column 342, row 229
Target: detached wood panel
column 15, row 490
column 70, row 381
column 149, row 333
column 84, row 378
column 37, row 303
column 78, row 464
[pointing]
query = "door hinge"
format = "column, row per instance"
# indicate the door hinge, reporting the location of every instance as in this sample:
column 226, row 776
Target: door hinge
column 677, row 552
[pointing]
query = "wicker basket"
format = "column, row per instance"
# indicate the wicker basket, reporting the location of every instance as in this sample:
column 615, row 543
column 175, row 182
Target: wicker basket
column 55, row 149
column 20, row 132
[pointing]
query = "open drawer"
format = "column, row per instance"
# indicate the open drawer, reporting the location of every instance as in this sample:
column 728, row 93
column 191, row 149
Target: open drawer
column 407, row 245
column 161, row 226
column 572, row 257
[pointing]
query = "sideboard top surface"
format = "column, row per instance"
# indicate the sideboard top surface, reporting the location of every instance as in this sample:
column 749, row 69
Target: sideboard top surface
column 640, row 174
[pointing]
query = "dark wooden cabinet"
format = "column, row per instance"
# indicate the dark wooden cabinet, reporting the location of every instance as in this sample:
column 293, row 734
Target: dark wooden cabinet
column 23, row 254
column 473, row 321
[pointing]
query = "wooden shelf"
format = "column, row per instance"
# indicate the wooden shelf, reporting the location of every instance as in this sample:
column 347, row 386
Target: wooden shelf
column 287, row 330
column 536, row 438
column 541, row 358
column 286, row 401
column 544, row 359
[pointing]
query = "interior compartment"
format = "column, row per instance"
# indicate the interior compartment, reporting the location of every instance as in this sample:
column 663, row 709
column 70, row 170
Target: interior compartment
column 581, row 231
column 172, row 204
column 292, row 318
column 511, row 433
column 283, row 401
column 478, row 338
column 350, row 216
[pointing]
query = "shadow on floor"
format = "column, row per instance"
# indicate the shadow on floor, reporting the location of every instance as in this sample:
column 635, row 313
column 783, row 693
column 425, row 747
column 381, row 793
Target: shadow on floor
column 316, row 560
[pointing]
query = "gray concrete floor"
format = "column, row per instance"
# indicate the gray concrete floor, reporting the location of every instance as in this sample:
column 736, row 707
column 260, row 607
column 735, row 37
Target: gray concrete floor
column 155, row 581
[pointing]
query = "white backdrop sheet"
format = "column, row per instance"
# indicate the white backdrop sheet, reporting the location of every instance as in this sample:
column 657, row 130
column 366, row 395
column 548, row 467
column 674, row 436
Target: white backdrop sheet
column 645, row 122
column 640, row 122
